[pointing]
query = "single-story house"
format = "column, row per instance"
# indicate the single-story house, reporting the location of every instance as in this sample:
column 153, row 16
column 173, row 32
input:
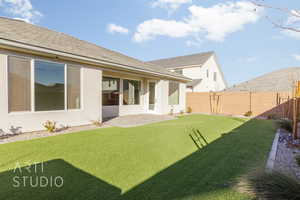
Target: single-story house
column 203, row 68
column 47, row 75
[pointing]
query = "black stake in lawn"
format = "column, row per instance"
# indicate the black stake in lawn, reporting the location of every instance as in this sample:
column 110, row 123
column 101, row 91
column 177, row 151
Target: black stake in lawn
column 198, row 138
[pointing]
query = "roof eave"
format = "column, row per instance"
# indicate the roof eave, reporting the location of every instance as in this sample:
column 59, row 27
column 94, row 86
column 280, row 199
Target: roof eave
column 18, row 46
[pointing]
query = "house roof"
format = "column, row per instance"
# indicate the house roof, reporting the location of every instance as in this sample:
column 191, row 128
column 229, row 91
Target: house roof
column 193, row 83
column 20, row 32
column 280, row 80
column 184, row 61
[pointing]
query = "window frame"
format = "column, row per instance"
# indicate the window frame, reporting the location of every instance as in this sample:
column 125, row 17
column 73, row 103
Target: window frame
column 65, row 86
column 140, row 91
column 119, row 91
column 178, row 93
column 81, row 87
column 7, row 82
column 32, row 85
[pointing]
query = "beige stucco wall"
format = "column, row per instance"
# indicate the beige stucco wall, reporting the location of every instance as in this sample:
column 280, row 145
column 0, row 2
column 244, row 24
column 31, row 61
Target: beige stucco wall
column 91, row 108
column 163, row 98
column 31, row 121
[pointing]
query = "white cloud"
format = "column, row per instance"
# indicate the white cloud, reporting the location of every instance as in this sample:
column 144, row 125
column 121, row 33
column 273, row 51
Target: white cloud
column 213, row 23
column 150, row 29
column 113, row 28
column 296, row 56
column 170, row 5
column 21, row 9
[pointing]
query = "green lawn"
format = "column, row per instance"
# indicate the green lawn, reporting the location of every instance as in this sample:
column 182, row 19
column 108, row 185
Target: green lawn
column 154, row 162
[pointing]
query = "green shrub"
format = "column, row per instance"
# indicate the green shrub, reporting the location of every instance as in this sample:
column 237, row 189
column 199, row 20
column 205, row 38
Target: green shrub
column 189, row 110
column 248, row 114
column 50, row 126
column 97, row 123
column 285, row 124
column 271, row 186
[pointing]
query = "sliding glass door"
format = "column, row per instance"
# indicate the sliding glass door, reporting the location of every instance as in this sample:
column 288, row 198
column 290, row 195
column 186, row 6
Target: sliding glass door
column 152, row 96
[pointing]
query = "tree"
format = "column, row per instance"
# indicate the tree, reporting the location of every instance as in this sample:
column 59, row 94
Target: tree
column 293, row 16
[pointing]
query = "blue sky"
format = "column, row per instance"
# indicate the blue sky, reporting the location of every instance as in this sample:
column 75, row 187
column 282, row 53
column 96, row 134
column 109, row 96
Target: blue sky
column 246, row 43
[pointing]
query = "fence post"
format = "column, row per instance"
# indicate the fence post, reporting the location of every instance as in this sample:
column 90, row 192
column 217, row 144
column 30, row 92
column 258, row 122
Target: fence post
column 296, row 110
column 250, row 96
column 295, row 118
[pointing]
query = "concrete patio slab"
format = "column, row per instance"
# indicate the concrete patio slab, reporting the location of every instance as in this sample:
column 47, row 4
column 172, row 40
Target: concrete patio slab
column 137, row 120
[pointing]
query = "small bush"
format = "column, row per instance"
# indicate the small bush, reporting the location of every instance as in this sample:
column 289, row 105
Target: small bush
column 297, row 158
column 50, row 126
column 181, row 112
column 189, row 110
column 271, row 186
column 97, row 123
column 285, row 124
column 248, row 114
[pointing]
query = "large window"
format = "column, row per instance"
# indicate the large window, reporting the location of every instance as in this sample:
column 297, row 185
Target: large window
column 49, row 86
column 19, row 84
column 173, row 93
column 131, row 92
column 110, row 91
column 74, row 87
column 53, row 89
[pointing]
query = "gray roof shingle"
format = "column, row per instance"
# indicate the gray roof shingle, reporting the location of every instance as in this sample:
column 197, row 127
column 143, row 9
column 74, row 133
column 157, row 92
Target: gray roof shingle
column 29, row 34
column 183, row 61
column 276, row 81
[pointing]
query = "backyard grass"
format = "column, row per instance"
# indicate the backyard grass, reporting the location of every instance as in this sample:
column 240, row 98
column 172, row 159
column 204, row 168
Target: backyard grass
column 155, row 162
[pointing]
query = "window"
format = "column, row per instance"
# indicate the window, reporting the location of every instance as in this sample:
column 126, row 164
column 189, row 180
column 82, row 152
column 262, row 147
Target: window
column 73, row 87
column 215, row 76
column 207, row 73
column 110, row 91
column 131, row 92
column 49, row 87
column 179, row 71
column 19, row 84
column 173, row 93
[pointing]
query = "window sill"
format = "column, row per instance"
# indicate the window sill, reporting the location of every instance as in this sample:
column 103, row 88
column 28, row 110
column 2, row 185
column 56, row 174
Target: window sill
column 44, row 112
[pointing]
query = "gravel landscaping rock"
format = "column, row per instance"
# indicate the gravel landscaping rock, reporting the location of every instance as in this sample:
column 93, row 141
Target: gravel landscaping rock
column 40, row 134
column 285, row 157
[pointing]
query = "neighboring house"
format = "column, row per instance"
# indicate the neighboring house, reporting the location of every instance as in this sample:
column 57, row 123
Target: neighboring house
column 47, row 75
column 276, row 81
column 202, row 68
